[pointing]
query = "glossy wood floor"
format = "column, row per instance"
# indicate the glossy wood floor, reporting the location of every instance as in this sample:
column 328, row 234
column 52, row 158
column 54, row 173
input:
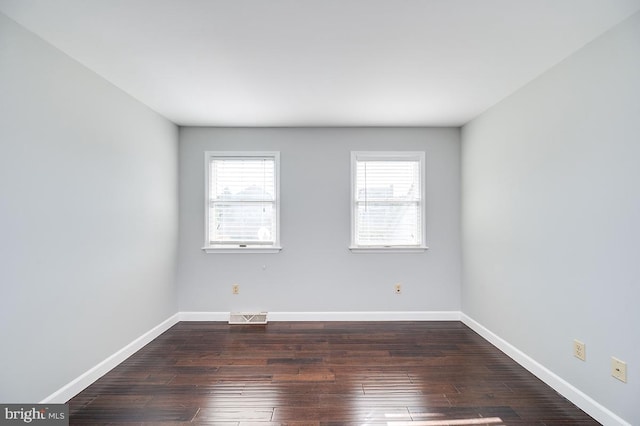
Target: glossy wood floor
column 392, row 373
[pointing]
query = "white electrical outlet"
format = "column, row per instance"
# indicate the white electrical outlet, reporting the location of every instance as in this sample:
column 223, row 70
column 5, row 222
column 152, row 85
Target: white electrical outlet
column 398, row 288
column 619, row 369
column 579, row 350
column 235, row 289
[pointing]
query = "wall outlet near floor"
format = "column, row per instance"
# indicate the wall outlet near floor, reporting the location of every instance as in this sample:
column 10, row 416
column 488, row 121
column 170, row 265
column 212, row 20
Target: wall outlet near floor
column 235, row 289
column 579, row 350
column 619, row 369
column 397, row 288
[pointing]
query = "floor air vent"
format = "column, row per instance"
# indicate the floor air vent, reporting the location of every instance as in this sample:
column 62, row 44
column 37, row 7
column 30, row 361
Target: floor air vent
column 248, row 318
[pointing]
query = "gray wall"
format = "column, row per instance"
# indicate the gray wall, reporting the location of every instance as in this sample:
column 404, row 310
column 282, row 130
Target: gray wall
column 315, row 271
column 88, row 217
column 551, row 217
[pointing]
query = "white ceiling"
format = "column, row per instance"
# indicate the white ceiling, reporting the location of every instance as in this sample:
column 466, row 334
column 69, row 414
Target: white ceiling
column 319, row 62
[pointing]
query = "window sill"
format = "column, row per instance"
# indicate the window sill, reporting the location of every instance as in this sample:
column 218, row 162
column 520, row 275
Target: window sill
column 383, row 249
column 210, row 250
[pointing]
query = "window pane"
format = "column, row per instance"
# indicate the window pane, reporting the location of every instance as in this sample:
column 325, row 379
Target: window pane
column 388, row 180
column 387, row 199
column 387, row 224
column 242, row 222
column 243, row 179
column 242, row 200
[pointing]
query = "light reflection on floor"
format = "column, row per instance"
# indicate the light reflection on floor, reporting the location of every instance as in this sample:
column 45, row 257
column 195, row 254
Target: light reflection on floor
column 452, row 422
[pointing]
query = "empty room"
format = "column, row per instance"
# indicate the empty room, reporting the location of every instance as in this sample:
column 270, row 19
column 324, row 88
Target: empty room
column 320, row 212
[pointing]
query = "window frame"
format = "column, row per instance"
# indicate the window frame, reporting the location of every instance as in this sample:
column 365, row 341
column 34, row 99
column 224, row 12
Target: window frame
column 230, row 248
column 357, row 156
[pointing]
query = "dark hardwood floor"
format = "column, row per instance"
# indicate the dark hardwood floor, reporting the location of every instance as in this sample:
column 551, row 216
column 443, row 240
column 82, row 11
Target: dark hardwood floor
column 333, row 373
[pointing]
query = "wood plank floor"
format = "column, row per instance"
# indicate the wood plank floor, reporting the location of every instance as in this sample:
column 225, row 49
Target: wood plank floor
column 316, row 373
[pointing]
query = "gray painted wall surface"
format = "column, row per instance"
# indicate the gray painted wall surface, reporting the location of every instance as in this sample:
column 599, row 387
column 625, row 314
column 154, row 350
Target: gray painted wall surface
column 551, row 218
column 88, row 217
column 315, row 271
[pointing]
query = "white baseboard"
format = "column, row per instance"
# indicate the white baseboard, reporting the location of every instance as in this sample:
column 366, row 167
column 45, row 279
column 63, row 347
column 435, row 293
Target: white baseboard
column 77, row 385
column 564, row 388
column 334, row 316
column 366, row 316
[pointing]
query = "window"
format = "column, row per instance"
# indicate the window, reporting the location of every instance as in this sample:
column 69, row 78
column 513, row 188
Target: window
column 242, row 202
column 387, row 195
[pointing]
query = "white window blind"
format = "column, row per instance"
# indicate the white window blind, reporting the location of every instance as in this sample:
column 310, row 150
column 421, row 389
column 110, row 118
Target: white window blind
column 387, row 199
column 242, row 208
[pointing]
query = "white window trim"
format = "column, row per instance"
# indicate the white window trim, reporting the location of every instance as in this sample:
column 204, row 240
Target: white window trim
column 388, row 155
column 208, row 248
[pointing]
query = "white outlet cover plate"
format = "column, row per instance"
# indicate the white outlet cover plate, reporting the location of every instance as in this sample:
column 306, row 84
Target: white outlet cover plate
column 579, row 350
column 619, row 369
